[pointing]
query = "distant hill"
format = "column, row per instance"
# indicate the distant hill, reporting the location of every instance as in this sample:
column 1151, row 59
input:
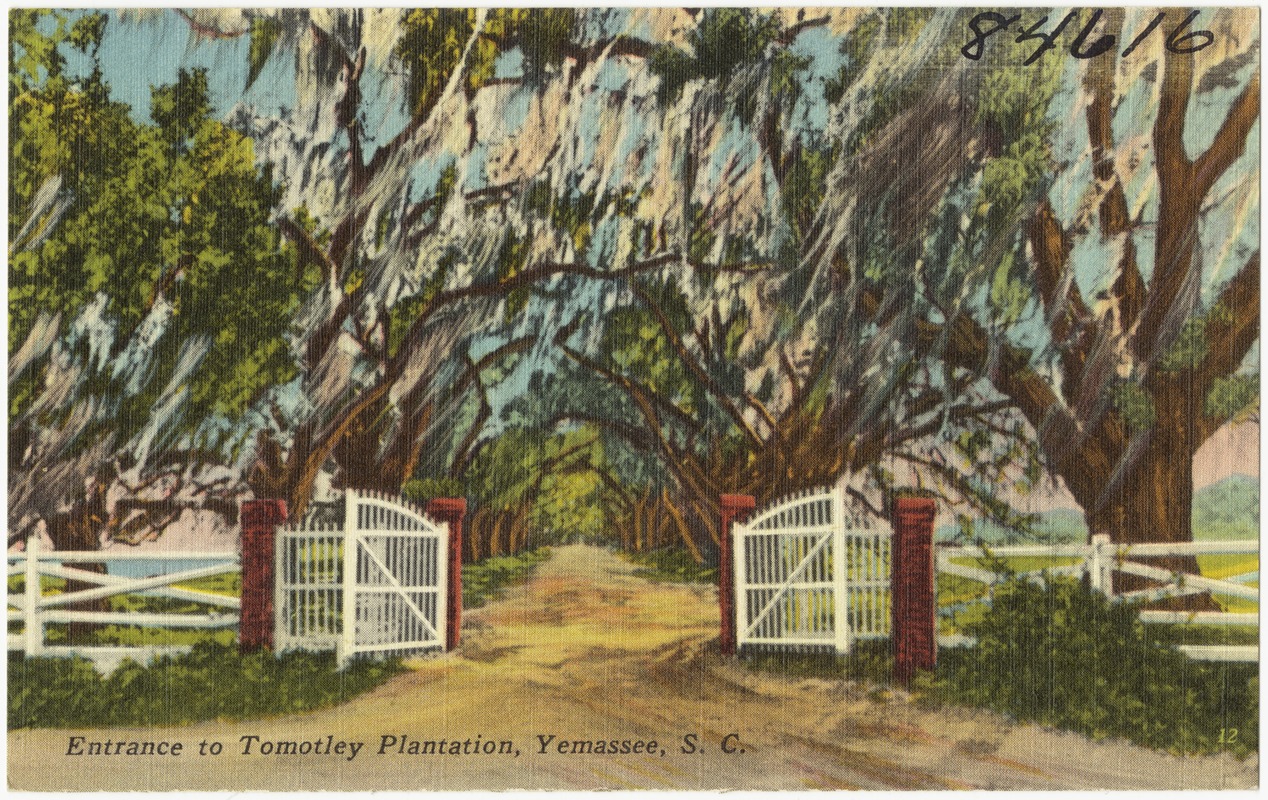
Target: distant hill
column 1227, row 510
column 1057, row 526
column 1222, row 511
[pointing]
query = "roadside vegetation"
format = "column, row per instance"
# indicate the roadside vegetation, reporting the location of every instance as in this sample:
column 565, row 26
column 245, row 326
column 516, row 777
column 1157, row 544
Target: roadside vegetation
column 1063, row 656
column 484, row 580
column 868, row 661
column 211, row 682
column 671, row 565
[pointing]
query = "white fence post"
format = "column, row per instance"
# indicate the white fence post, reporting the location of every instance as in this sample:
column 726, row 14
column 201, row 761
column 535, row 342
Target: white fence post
column 840, row 576
column 348, row 635
column 1100, row 565
column 33, row 628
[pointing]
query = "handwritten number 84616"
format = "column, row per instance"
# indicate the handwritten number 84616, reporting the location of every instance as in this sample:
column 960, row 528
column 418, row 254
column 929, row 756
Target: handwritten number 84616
column 989, row 23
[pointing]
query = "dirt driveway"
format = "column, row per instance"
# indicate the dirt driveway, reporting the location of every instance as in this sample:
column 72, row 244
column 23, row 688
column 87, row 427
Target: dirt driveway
column 587, row 652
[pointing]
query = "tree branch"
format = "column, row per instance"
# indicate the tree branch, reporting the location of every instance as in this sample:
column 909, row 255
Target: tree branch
column 631, row 387
column 1230, row 140
column 688, row 361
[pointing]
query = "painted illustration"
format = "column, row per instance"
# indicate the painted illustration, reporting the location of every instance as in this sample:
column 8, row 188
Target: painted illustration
column 615, row 398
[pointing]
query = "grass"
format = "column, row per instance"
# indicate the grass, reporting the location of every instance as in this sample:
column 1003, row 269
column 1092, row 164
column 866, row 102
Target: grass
column 1229, row 565
column 868, row 660
column 211, row 682
column 485, row 580
column 671, row 565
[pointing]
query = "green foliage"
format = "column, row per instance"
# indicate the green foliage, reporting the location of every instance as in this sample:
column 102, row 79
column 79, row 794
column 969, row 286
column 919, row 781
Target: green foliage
column 672, row 565
column 724, row 39
column 1134, row 405
column 901, row 26
column 430, row 49
column 420, row 490
column 554, row 473
column 34, row 55
column 432, row 44
column 484, row 580
column 1012, row 111
column 544, row 34
column 87, row 31
column 637, row 346
column 1232, row 396
column 210, row 682
column 856, row 46
column 176, row 211
column 404, row 312
column 674, row 68
column 179, row 109
column 1064, row 656
column 1190, row 347
column 804, row 185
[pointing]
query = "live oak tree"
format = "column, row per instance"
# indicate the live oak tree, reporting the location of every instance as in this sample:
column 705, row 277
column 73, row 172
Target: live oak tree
column 150, row 296
column 1123, row 322
column 419, row 272
column 756, row 368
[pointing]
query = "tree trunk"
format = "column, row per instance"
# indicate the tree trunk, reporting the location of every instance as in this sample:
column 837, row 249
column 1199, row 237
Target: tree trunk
column 80, row 528
column 1154, row 503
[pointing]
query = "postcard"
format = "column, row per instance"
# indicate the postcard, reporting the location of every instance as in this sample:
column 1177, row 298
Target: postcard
column 619, row 398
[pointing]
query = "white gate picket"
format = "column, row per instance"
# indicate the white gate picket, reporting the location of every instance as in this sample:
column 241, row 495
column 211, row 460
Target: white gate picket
column 804, row 579
column 377, row 583
column 308, row 583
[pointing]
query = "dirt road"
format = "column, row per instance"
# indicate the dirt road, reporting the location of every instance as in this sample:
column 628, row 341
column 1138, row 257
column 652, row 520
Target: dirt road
column 587, row 652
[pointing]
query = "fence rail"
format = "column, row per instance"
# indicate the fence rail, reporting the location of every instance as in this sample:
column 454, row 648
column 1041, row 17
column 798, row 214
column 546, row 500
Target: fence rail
column 1101, row 558
column 35, row 609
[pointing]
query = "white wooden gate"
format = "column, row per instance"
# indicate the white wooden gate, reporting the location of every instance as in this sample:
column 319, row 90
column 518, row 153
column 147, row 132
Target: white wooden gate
column 376, row 583
column 803, row 578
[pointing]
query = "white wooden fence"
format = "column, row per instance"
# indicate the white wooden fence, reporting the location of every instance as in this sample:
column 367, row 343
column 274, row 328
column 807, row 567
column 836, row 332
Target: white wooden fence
column 375, row 583
column 1101, row 558
column 35, row 609
column 803, row 578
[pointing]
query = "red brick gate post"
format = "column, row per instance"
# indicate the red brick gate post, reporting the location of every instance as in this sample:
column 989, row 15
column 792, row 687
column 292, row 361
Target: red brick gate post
column 735, row 508
column 259, row 520
column 914, row 602
column 452, row 510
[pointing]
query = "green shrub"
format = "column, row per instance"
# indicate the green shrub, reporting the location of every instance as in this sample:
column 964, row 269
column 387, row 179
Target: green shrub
column 869, row 660
column 420, row 490
column 672, row 565
column 483, row 580
column 1064, row 656
column 213, row 681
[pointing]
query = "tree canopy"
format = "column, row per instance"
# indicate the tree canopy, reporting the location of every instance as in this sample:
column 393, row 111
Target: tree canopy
column 596, row 267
